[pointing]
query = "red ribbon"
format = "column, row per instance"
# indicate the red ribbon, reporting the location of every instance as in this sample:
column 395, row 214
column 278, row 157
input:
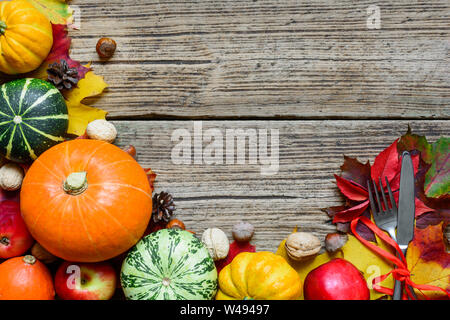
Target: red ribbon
column 401, row 271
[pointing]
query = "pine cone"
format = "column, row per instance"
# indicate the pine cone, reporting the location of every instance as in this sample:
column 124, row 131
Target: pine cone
column 61, row 76
column 163, row 207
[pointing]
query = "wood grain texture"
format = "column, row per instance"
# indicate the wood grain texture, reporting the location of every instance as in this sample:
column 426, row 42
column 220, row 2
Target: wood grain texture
column 310, row 152
column 253, row 59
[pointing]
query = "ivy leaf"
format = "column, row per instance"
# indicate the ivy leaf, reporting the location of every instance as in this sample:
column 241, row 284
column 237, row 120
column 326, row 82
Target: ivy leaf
column 437, row 178
column 386, row 164
column 79, row 114
column 57, row 11
column 428, row 260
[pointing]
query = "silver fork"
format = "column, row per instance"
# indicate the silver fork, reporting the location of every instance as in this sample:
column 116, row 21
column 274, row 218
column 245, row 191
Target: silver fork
column 385, row 219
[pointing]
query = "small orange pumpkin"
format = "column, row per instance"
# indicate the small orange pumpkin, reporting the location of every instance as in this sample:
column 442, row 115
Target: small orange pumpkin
column 25, row 278
column 26, row 37
column 86, row 200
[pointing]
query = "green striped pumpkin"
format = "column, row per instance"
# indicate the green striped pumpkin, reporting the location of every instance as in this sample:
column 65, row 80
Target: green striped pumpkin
column 33, row 118
column 170, row 264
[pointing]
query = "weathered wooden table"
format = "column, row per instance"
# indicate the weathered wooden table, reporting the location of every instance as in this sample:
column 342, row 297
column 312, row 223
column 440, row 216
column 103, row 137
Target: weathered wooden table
column 320, row 72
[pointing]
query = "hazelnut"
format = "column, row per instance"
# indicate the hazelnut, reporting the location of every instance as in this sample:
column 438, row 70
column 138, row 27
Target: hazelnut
column 106, row 47
column 216, row 242
column 302, row 245
column 101, row 130
column 11, row 177
column 335, row 241
column 243, row 231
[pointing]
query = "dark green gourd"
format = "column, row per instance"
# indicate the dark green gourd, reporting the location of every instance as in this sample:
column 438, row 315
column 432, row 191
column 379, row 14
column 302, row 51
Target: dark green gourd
column 33, row 118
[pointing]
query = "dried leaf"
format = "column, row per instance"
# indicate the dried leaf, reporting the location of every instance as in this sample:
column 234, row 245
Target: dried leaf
column 369, row 263
column 79, row 114
column 57, row 11
column 428, row 260
column 151, row 178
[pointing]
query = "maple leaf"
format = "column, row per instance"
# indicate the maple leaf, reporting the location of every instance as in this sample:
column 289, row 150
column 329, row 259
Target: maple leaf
column 57, row 11
column 79, row 114
column 428, row 260
column 236, row 247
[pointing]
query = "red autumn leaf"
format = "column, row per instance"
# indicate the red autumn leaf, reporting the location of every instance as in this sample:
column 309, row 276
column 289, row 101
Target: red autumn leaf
column 351, row 213
column 351, row 189
column 61, row 48
column 235, row 248
column 386, row 164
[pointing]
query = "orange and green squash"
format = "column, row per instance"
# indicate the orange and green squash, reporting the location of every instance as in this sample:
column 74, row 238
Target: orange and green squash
column 26, row 37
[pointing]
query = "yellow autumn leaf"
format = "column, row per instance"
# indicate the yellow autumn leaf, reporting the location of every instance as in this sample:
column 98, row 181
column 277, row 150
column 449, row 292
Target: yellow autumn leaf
column 428, row 260
column 79, row 114
column 366, row 261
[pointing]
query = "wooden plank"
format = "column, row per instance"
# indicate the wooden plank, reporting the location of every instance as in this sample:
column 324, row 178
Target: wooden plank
column 310, row 152
column 263, row 59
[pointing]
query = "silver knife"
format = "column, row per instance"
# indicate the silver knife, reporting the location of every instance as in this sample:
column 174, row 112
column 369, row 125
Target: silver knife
column 406, row 211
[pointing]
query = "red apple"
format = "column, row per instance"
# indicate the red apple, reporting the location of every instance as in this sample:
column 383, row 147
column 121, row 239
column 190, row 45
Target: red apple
column 85, row 281
column 337, row 279
column 15, row 239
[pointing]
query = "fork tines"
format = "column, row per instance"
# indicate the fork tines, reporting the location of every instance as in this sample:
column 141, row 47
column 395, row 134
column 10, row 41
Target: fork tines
column 386, row 208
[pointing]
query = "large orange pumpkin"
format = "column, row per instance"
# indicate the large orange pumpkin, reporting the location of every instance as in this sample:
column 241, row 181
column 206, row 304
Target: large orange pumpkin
column 86, row 200
column 25, row 278
column 26, row 37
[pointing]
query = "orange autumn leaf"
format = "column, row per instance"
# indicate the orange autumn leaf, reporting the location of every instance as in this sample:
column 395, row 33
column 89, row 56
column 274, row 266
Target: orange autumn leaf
column 428, row 261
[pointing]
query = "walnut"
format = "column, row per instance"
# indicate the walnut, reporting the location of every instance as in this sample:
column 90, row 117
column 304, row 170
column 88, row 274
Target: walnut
column 243, row 231
column 302, row 245
column 11, row 177
column 216, row 242
column 101, row 130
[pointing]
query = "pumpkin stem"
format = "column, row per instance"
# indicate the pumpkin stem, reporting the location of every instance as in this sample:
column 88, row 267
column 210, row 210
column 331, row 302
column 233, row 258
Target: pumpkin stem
column 76, row 183
column 166, row 282
column 29, row 259
column 3, row 27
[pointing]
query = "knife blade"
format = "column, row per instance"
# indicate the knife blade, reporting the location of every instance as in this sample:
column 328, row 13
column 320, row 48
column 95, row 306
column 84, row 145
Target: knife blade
column 406, row 203
column 406, row 213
